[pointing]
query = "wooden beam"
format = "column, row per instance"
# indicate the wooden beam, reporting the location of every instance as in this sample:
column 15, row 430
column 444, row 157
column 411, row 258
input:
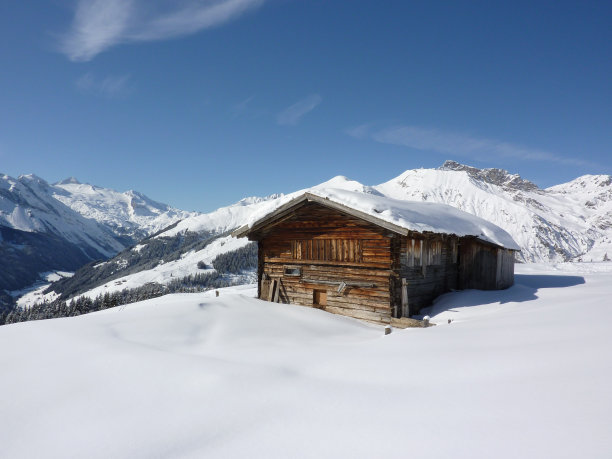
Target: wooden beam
column 405, row 304
column 338, row 283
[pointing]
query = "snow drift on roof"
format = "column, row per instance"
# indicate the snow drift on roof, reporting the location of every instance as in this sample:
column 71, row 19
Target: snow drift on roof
column 410, row 215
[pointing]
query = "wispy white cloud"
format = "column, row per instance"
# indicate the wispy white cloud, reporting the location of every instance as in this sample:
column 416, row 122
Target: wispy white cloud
column 100, row 24
column 110, row 86
column 362, row 131
column 453, row 143
column 292, row 115
column 243, row 107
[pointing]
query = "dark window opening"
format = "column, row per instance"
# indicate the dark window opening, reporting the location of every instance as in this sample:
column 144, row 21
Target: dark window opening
column 293, row 271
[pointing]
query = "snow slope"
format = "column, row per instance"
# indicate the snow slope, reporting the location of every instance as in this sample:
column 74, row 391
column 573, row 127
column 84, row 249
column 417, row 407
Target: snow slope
column 523, row 372
column 82, row 213
column 66, row 225
column 549, row 225
column 130, row 213
column 590, row 197
column 28, row 204
column 166, row 272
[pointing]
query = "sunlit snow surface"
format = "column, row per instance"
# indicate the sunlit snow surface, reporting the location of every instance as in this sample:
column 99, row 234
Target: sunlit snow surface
column 524, row 372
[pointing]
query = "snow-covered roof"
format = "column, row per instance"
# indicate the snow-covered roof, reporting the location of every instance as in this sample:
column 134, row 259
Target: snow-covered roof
column 397, row 215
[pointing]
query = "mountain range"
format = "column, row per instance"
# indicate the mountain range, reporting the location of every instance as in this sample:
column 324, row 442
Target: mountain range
column 567, row 222
column 47, row 227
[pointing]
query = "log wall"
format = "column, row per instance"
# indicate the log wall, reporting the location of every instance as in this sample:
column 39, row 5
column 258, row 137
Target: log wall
column 427, row 281
column 328, row 248
column 485, row 267
column 319, row 257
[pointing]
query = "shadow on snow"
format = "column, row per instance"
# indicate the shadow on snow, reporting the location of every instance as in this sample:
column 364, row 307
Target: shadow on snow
column 525, row 288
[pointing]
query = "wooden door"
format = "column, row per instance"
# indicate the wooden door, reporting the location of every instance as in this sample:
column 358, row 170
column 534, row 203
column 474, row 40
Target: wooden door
column 319, row 298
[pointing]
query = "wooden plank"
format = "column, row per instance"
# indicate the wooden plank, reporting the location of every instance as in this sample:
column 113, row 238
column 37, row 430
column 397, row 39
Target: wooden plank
column 405, row 305
column 336, row 283
column 273, row 283
column 386, row 264
column 359, row 314
column 265, row 290
column 276, row 290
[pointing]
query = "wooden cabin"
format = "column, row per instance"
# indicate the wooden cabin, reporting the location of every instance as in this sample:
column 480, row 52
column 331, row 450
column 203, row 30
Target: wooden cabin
column 323, row 252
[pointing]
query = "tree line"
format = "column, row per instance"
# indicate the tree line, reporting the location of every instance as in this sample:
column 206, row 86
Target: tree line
column 232, row 268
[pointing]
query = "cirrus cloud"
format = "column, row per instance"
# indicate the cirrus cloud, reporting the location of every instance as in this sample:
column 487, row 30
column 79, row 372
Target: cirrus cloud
column 292, row 114
column 110, row 86
column 445, row 142
column 101, row 24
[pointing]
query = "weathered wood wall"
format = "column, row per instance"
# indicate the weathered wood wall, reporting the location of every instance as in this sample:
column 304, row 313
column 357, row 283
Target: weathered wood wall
column 329, row 248
column 433, row 275
column 505, row 269
column 318, row 255
column 485, row 267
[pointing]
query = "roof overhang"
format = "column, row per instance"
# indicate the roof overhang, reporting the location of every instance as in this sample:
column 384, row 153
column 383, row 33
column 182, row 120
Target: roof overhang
column 283, row 211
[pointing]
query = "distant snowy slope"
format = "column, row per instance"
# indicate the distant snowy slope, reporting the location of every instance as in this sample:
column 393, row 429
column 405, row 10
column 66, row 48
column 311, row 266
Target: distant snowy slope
column 590, row 197
column 47, row 227
column 27, row 204
column 127, row 214
column 547, row 225
column 236, row 215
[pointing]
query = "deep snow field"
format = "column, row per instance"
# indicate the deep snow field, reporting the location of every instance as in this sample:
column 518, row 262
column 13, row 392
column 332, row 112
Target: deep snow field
column 520, row 373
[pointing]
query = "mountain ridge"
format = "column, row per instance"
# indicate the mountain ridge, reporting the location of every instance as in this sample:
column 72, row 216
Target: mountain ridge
column 566, row 222
column 62, row 226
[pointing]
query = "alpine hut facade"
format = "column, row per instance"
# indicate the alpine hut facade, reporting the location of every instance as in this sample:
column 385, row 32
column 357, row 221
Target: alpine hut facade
column 374, row 258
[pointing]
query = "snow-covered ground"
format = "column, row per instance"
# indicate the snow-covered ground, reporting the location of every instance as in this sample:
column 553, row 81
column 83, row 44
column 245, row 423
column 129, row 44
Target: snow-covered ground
column 165, row 273
column 35, row 293
column 524, row 372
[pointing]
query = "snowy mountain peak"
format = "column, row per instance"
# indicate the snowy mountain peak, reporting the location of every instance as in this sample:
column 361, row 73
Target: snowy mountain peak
column 585, row 183
column 69, row 180
column 65, row 225
column 493, row 176
column 563, row 223
column 341, row 182
column 32, row 178
column 130, row 213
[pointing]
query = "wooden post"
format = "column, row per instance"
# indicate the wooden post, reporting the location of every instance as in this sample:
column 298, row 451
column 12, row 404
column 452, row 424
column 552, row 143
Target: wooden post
column 265, row 289
column 262, row 288
column 271, row 291
column 405, row 305
column 276, row 290
column 498, row 272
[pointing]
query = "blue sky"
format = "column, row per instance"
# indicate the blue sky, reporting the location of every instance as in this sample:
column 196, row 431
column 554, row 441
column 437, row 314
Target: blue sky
column 201, row 103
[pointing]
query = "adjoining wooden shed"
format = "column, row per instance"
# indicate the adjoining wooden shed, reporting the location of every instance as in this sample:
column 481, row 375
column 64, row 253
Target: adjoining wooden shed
column 372, row 257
